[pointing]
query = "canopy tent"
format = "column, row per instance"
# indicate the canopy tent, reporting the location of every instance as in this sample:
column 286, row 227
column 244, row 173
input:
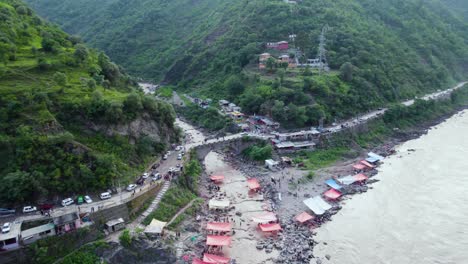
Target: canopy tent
column 218, row 240
column 265, row 218
column 332, row 194
column 219, row 226
column 359, row 166
column 367, row 164
column 317, row 205
column 217, row 178
column 332, row 183
column 218, row 204
column 270, row 227
column 360, row 177
column 209, row 258
column 375, row 156
column 253, row 184
column 198, row 261
column 304, row 217
column 155, row 227
column 346, row 180
column 372, row 159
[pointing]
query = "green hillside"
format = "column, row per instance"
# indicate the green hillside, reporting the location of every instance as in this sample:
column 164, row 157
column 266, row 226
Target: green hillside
column 379, row 51
column 57, row 99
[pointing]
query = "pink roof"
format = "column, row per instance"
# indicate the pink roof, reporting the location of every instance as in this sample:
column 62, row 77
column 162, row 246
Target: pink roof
column 270, row 227
column 217, row 177
column 265, row 218
column 304, row 217
column 360, row 177
column 359, row 166
column 367, row 164
column 218, row 240
column 219, row 226
column 253, row 184
column 209, row 258
column 332, row 194
column 198, row 261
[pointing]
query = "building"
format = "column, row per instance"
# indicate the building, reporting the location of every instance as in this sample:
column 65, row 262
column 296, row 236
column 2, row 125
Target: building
column 29, row 236
column 281, row 45
column 264, row 57
column 297, row 136
column 10, row 240
column 223, row 102
column 67, row 223
column 114, row 225
column 289, row 145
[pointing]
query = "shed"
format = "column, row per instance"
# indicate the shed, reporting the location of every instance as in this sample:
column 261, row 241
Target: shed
column 332, row 194
column 212, row 240
column 38, row 232
column 270, row 227
column 219, row 226
column 271, row 164
column 253, row 184
column 218, row 204
column 265, row 218
column 155, row 227
column 317, row 205
column 115, row 225
column 303, row 217
column 210, row 258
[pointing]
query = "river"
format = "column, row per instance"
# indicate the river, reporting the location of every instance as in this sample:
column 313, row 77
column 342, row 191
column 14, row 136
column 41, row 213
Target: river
column 417, row 213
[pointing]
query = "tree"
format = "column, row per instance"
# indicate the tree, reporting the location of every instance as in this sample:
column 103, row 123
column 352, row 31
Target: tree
column 270, row 64
column 91, row 83
column 234, row 85
column 49, row 45
column 81, row 52
column 346, row 71
column 60, row 78
column 126, row 238
column 132, row 103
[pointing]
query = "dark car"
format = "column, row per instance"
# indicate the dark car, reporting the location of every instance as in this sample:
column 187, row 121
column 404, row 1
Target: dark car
column 5, row 211
column 140, row 181
column 46, row 207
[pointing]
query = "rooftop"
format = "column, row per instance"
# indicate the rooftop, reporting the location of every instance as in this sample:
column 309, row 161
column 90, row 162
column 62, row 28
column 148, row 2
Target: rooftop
column 37, row 230
column 15, row 230
column 65, row 219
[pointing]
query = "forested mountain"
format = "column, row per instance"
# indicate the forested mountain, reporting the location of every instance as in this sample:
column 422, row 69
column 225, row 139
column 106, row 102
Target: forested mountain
column 68, row 115
column 459, row 7
column 379, row 51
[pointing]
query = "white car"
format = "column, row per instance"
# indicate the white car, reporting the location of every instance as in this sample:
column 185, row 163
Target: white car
column 145, row 175
column 165, row 157
column 29, row 209
column 131, row 187
column 67, row 202
column 6, row 227
column 172, row 169
column 105, row 195
column 178, row 148
column 168, row 153
column 179, row 157
column 88, row 199
column 156, row 177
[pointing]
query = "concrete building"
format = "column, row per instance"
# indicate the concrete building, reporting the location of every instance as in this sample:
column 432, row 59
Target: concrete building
column 11, row 240
column 29, row 236
column 67, row 223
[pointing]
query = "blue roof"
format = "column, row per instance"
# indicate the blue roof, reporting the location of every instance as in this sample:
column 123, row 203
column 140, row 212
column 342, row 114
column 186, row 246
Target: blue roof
column 332, row 183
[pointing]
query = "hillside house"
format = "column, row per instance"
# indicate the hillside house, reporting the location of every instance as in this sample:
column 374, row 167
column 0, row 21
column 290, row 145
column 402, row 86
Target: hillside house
column 262, row 60
column 281, row 45
column 67, row 223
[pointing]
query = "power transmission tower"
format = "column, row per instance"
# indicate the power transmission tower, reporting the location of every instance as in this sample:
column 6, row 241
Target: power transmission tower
column 322, row 51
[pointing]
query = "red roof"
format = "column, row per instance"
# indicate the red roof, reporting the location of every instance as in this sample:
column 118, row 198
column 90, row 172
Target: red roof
column 217, row 177
column 304, row 217
column 219, row 226
column 209, row 258
column 359, row 166
column 360, row 177
column 253, row 184
column 270, row 227
column 332, row 194
column 218, row 240
column 198, row 261
column 367, row 164
column 265, row 218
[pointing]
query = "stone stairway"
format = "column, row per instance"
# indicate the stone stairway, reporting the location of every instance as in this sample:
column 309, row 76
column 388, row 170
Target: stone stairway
column 154, row 204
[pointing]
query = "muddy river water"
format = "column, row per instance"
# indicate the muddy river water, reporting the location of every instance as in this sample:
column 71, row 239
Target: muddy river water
column 417, row 213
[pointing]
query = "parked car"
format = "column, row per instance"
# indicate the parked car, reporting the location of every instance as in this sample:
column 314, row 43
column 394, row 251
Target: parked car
column 155, row 166
column 145, row 175
column 168, row 153
column 140, row 181
column 179, row 157
column 67, row 202
column 29, row 209
column 5, row 211
column 156, row 177
column 182, row 153
column 88, row 199
column 105, row 195
column 165, row 157
column 80, row 199
column 46, row 207
column 131, row 187
column 6, row 227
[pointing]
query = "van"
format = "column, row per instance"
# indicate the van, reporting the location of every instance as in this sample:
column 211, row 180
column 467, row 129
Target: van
column 105, row 195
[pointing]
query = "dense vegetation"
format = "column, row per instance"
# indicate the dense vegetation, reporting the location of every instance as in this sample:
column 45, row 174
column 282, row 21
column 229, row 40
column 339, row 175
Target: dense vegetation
column 258, row 152
column 57, row 97
column 379, row 51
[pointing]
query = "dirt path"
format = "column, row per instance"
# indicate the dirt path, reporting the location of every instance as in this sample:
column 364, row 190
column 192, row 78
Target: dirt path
column 181, row 211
